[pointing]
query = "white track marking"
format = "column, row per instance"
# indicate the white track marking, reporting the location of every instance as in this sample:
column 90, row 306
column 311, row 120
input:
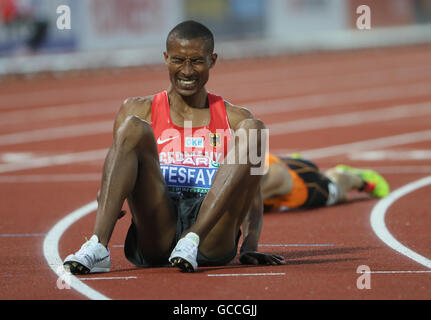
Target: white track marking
column 245, row 274
column 109, row 278
column 259, row 107
column 277, row 128
column 16, row 156
column 355, row 78
column 76, row 110
column 396, row 140
column 267, row 245
column 379, row 155
column 402, row 169
column 61, row 159
column 77, row 130
column 396, row 169
column 296, row 245
column 52, row 256
column 377, row 220
column 350, row 119
column 399, row 272
column 18, row 235
column 84, row 177
column 38, row 178
column 337, row 150
column 334, row 99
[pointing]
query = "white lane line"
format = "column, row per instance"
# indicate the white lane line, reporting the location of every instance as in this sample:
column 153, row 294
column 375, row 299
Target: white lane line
column 77, row 130
column 391, row 155
column 402, row 169
column 59, row 112
column 52, row 256
column 108, row 278
column 377, row 220
column 277, row 128
column 267, row 245
column 333, row 99
column 85, row 177
column 38, row 178
column 395, row 169
column 259, row 107
column 18, row 235
column 56, row 160
column 296, row 245
column 92, row 155
column 245, row 274
column 396, row 140
column 350, row 119
column 399, row 272
column 297, row 72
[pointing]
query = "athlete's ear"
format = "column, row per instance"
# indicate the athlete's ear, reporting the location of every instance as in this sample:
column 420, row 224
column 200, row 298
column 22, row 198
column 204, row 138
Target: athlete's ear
column 165, row 54
column 214, row 57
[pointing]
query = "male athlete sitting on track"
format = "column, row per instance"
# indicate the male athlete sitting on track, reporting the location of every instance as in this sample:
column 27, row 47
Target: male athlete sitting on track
column 294, row 182
column 186, row 208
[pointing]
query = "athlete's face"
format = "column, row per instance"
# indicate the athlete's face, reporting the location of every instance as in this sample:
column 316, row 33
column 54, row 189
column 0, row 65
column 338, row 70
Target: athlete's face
column 189, row 62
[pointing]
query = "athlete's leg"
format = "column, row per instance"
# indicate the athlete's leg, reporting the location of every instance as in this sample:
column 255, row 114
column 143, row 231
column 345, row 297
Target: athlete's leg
column 345, row 182
column 277, row 181
column 229, row 199
column 132, row 172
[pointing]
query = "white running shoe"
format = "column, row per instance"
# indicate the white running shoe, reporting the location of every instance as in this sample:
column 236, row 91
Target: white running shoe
column 185, row 253
column 92, row 257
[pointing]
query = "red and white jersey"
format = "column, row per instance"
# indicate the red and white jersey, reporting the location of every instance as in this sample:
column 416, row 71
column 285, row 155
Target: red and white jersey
column 190, row 156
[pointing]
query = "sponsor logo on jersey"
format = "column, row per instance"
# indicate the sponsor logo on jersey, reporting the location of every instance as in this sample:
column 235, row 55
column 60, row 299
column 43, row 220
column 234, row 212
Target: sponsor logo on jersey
column 215, row 139
column 194, row 142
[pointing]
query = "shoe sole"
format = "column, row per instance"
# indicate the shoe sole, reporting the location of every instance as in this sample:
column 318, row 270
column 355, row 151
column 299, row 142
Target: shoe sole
column 76, row 268
column 183, row 264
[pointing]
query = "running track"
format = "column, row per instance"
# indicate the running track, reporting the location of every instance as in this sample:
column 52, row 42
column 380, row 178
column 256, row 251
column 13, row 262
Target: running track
column 368, row 108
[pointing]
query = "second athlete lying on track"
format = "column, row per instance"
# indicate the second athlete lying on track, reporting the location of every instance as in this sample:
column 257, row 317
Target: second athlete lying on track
column 293, row 182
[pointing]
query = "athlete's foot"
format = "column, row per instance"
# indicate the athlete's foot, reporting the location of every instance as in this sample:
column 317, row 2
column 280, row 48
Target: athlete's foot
column 91, row 258
column 185, row 253
column 374, row 183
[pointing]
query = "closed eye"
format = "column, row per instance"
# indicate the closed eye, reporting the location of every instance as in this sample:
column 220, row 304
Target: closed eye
column 198, row 61
column 177, row 60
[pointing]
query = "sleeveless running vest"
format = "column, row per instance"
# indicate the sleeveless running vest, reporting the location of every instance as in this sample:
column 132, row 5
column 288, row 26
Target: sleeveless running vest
column 190, row 156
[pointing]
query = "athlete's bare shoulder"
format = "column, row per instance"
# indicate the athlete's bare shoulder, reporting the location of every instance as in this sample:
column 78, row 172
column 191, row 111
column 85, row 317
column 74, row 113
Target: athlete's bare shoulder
column 236, row 114
column 135, row 106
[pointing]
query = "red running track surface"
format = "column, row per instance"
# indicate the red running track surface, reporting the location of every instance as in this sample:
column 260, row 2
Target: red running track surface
column 368, row 108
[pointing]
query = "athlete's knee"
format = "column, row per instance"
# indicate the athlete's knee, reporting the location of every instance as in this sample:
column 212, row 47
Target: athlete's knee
column 251, row 124
column 133, row 132
column 251, row 138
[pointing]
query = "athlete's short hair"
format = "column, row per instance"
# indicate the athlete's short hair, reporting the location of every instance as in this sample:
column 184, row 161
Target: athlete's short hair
column 191, row 29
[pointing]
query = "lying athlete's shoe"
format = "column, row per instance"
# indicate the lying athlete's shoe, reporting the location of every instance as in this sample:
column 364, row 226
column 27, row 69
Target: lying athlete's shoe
column 295, row 155
column 375, row 184
column 185, row 253
column 92, row 257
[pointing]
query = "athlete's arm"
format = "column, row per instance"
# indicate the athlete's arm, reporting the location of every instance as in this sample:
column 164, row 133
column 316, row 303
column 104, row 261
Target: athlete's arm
column 252, row 223
column 252, row 227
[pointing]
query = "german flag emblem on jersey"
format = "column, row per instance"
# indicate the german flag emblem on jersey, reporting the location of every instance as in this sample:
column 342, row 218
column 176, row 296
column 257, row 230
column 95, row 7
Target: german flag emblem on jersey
column 214, row 139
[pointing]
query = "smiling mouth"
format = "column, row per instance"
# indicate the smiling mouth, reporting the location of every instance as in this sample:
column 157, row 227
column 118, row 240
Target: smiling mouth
column 187, row 83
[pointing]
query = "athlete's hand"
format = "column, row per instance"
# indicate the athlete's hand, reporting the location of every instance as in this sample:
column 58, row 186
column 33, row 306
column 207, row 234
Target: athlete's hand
column 254, row 257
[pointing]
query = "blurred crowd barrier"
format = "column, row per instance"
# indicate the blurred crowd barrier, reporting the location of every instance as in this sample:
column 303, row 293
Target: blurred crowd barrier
column 109, row 33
